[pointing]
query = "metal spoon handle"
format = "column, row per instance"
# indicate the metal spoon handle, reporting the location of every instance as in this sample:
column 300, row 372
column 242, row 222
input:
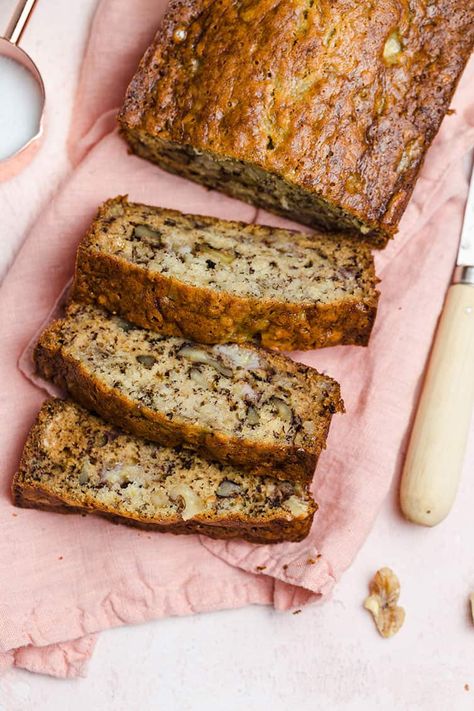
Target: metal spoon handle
column 19, row 20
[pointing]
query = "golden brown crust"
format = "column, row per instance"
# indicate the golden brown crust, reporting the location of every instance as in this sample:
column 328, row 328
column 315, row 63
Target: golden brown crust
column 26, row 495
column 306, row 92
column 41, row 494
column 152, row 300
column 285, row 461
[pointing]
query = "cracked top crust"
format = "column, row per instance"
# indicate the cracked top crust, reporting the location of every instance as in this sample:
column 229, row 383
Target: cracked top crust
column 338, row 97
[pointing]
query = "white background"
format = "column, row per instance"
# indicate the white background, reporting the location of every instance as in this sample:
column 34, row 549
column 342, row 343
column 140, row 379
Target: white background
column 328, row 657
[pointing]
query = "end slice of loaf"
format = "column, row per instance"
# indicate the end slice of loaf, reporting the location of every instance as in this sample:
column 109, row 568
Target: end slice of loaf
column 74, row 462
column 237, row 404
column 216, row 281
column 320, row 111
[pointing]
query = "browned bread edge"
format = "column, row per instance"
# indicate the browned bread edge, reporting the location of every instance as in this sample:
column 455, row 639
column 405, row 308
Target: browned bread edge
column 165, row 304
column 283, row 462
column 430, row 93
column 37, row 495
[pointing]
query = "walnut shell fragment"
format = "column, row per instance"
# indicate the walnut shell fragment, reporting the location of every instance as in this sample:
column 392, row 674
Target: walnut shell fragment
column 471, row 603
column 382, row 602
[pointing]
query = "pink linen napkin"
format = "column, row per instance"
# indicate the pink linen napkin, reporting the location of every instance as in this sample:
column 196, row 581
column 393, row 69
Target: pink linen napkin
column 62, row 579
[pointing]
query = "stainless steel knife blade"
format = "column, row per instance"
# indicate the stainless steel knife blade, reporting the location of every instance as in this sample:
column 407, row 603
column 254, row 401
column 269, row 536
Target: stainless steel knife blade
column 466, row 245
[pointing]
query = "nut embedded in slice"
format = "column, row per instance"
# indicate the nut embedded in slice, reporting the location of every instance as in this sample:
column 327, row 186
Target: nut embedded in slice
column 238, row 404
column 382, row 602
column 74, row 463
column 221, row 282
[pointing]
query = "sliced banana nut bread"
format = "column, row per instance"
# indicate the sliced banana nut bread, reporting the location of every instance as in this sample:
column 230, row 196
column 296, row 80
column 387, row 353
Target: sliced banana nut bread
column 216, row 281
column 237, row 404
column 321, row 111
column 74, row 462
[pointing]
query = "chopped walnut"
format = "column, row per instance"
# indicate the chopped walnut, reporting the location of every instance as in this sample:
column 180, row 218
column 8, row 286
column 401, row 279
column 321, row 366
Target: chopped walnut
column 199, row 355
column 228, row 488
column 382, row 602
column 392, row 49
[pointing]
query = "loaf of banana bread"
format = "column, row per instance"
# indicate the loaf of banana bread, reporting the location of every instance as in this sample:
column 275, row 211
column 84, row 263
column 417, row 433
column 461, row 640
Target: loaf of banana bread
column 74, row 462
column 215, row 281
column 237, row 404
column 320, row 111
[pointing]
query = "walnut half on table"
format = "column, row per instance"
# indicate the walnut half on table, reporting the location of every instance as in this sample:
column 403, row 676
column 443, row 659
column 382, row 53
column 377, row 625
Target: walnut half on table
column 382, row 602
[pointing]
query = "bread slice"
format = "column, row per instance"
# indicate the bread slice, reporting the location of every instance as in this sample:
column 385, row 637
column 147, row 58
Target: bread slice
column 237, row 404
column 216, row 281
column 73, row 462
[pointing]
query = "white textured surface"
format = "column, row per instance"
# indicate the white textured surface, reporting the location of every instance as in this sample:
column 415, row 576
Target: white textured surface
column 326, row 658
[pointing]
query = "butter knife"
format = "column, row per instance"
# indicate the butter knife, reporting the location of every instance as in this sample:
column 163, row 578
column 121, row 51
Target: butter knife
column 435, row 454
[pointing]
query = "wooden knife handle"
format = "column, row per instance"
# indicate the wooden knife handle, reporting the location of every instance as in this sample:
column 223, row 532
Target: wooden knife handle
column 438, row 440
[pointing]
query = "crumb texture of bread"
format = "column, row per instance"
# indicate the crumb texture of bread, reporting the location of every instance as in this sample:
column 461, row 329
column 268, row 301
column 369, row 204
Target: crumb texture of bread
column 320, row 111
column 74, row 462
column 238, row 404
column 216, row 281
